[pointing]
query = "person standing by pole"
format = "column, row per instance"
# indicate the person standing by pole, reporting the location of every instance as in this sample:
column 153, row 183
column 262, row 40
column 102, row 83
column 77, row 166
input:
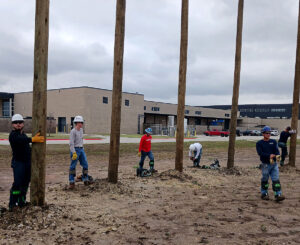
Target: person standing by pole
column 282, row 142
column 77, row 153
column 21, row 161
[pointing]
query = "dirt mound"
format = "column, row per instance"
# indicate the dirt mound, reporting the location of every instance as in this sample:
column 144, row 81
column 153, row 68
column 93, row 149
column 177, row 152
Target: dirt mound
column 174, row 174
column 33, row 218
column 237, row 171
column 102, row 186
column 288, row 169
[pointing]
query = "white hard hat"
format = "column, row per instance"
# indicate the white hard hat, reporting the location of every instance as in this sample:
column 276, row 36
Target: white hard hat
column 192, row 147
column 17, row 117
column 78, row 119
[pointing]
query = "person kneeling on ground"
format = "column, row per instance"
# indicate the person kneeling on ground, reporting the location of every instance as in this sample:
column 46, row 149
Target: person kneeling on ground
column 145, row 150
column 195, row 153
column 77, row 153
column 268, row 151
column 21, row 161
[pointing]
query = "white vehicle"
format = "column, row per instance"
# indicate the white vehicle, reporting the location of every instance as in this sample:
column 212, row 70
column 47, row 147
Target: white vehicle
column 274, row 132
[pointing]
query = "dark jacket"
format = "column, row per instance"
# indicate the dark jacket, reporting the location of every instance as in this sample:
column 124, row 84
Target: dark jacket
column 284, row 136
column 19, row 143
column 266, row 148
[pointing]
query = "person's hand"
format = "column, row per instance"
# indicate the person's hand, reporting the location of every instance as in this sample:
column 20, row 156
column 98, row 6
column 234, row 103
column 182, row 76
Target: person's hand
column 139, row 154
column 191, row 158
column 278, row 158
column 74, row 156
column 38, row 139
column 272, row 156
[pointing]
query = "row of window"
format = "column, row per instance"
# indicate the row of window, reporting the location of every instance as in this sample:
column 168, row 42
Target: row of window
column 105, row 101
column 263, row 110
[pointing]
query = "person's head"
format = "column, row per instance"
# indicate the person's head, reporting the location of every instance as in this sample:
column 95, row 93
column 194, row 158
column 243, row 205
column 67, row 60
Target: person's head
column 78, row 121
column 287, row 129
column 17, row 122
column 148, row 131
column 192, row 147
column 266, row 132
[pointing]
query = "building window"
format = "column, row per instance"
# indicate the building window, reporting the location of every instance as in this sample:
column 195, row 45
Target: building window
column 227, row 115
column 198, row 121
column 155, row 109
column 5, row 109
column 105, row 100
column 127, row 102
column 145, row 107
column 277, row 110
column 186, row 112
column 198, row 112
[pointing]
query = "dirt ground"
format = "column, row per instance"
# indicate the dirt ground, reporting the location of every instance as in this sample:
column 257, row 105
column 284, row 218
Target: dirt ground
column 198, row 206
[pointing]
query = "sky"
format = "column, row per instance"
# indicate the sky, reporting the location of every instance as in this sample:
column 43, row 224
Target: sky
column 81, row 44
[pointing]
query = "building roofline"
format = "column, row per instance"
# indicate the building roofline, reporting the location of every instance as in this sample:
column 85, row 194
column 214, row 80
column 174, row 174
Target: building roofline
column 249, row 105
column 197, row 106
column 82, row 87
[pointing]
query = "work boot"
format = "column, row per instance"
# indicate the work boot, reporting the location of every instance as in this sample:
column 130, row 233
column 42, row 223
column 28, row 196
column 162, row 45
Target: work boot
column 281, row 163
column 86, row 182
column 265, row 197
column 279, row 198
column 72, row 186
column 152, row 170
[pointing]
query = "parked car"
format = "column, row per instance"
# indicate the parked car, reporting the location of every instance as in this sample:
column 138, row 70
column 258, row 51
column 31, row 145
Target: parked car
column 274, row 132
column 255, row 133
column 216, row 132
column 247, row 132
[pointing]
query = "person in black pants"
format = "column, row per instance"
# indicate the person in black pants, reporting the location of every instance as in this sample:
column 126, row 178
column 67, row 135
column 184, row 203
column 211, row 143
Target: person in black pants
column 21, row 161
column 282, row 142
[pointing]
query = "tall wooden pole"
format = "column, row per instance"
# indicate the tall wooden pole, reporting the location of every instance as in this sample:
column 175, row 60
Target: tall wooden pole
column 117, row 92
column 236, row 86
column 182, row 85
column 39, row 105
column 295, row 109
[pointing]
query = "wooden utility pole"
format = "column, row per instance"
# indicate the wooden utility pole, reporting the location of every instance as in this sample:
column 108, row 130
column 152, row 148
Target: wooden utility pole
column 182, row 85
column 39, row 104
column 295, row 109
column 117, row 92
column 236, row 86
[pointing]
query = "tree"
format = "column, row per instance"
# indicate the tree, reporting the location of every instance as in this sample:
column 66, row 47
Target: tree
column 182, row 85
column 236, row 86
column 117, row 92
column 39, row 103
column 295, row 108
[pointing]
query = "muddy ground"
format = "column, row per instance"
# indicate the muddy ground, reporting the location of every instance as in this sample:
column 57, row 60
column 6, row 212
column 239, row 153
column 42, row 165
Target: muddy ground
column 198, row 206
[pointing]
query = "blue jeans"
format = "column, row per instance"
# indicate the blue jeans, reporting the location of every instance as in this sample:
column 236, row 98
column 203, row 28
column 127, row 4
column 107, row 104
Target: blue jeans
column 270, row 170
column 284, row 151
column 197, row 161
column 83, row 162
column 18, row 191
column 144, row 155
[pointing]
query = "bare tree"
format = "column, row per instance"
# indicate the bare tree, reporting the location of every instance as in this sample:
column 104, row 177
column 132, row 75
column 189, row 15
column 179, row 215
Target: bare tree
column 236, row 86
column 39, row 105
column 117, row 92
column 295, row 109
column 182, row 85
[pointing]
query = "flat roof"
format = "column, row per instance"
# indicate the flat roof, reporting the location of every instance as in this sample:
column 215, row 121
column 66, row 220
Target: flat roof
column 136, row 93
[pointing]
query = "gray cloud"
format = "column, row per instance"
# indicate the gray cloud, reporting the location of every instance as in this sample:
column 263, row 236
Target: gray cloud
column 82, row 40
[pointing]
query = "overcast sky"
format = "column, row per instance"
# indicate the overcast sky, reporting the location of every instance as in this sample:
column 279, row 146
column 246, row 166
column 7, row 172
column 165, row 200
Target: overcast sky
column 81, row 42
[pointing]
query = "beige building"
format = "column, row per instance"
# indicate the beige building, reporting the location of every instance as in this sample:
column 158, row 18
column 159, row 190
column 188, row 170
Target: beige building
column 94, row 105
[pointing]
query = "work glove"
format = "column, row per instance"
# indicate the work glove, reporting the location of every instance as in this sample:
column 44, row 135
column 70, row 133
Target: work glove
column 139, row 154
column 38, row 139
column 278, row 158
column 293, row 131
column 74, row 156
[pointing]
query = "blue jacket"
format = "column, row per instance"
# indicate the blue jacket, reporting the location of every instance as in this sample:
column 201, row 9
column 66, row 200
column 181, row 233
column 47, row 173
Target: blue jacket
column 266, row 148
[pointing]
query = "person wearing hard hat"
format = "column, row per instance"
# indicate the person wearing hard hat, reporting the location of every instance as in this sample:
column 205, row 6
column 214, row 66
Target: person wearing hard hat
column 195, row 153
column 269, row 154
column 21, row 161
column 145, row 150
column 77, row 153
